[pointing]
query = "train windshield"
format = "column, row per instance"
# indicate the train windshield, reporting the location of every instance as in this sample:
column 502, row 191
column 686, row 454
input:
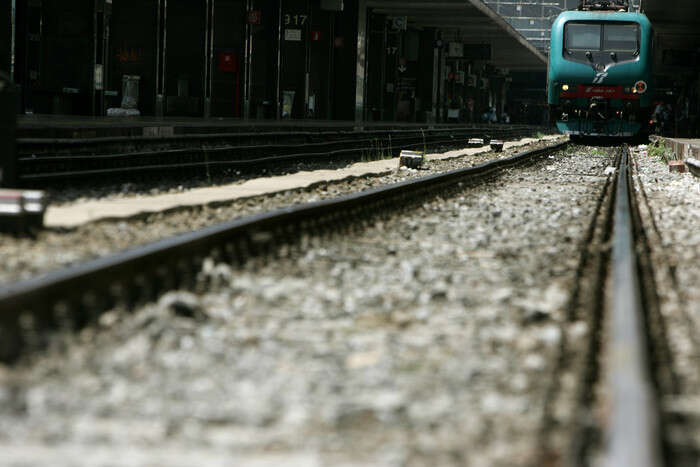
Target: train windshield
column 611, row 37
column 621, row 37
column 583, row 36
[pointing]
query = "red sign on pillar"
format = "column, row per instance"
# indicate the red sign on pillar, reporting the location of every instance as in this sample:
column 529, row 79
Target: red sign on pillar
column 228, row 62
column 316, row 36
column 254, row 17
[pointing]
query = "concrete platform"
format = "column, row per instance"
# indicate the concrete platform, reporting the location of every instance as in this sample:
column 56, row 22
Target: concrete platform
column 76, row 214
column 685, row 148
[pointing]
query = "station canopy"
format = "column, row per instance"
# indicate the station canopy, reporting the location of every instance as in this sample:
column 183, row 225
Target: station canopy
column 473, row 22
column 677, row 27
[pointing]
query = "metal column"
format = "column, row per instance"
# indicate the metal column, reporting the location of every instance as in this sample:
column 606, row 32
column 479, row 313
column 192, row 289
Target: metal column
column 360, row 78
column 13, row 39
column 279, row 63
column 161, row 50
column 331, row 67
column 436, row 75
column 8, row 119
column 100, row 18
column 382, row 81
column 307, row 68
column 94, row 84
column 105, row 50
column 247, row 71
column 441, row 93
column 208, row 55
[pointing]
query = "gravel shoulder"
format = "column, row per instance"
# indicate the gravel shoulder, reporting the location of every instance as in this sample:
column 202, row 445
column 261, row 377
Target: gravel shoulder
column 671, row 213
column 428, row 339
column 56, row 248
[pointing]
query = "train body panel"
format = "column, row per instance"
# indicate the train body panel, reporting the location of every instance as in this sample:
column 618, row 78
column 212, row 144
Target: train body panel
column 599, row 74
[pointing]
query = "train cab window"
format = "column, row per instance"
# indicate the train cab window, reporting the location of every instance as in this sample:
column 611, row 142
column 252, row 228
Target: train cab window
column 582, row 36
column 621, row 37
column 601, row 42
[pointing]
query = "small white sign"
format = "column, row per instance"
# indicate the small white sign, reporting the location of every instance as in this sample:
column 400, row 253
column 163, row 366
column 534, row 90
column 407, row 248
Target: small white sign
column 292, row 35
column 456, row 49
column 99, row 78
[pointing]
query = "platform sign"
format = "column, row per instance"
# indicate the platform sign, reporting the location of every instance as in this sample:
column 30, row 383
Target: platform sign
column 456, row 49
column 293, row 35
column 228, row 62
column 254, row 17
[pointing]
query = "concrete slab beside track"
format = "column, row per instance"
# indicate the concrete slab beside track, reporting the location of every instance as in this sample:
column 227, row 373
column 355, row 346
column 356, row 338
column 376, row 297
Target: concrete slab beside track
column 685, row 148
column 76, row 214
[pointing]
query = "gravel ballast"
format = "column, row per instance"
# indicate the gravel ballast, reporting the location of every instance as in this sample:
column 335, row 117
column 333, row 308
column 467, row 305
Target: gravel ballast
column 428, row 339
column 54, row 249
column 670, row 208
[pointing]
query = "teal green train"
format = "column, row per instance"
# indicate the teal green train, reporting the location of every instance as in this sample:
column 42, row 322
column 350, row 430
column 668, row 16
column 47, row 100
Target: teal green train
column 599, row 77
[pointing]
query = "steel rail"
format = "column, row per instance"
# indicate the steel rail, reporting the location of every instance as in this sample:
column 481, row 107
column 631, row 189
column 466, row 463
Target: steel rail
column 210, row 162
column 215, row 163
column 289, row 148
column 31, row 150
column 100, row 282
column 634, row 434
column 62, row 167
column 276, row 134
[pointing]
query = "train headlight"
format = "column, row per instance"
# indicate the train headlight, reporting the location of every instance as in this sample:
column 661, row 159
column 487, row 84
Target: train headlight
column 640, row 87
column 564, row 87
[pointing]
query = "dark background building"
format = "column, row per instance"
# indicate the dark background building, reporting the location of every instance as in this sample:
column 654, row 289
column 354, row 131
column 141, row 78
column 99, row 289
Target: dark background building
column 324, row 59
column 225, row 58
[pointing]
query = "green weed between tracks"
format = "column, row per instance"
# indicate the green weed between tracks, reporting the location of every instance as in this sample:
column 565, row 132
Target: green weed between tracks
column 660, row 149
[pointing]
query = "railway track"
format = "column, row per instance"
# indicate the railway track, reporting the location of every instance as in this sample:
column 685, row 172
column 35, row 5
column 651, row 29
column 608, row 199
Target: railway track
column 619, row 374
column 76, row 295
column 44, row 160
column 621, row 367
column 635, row 434
column 615, row 374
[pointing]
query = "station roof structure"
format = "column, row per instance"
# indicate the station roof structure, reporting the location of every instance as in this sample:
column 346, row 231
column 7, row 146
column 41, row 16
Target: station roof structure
column 677, row 27
column 476, row 23
column 677, row 16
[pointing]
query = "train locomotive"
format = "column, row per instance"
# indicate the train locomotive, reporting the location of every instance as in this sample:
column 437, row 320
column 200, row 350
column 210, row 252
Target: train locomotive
column 599, row 74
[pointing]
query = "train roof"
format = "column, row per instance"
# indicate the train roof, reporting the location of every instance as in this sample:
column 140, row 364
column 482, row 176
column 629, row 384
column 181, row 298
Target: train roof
column 574, row 15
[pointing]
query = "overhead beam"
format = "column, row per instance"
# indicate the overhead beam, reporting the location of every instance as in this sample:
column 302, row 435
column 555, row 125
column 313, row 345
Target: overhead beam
column 498, row 19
